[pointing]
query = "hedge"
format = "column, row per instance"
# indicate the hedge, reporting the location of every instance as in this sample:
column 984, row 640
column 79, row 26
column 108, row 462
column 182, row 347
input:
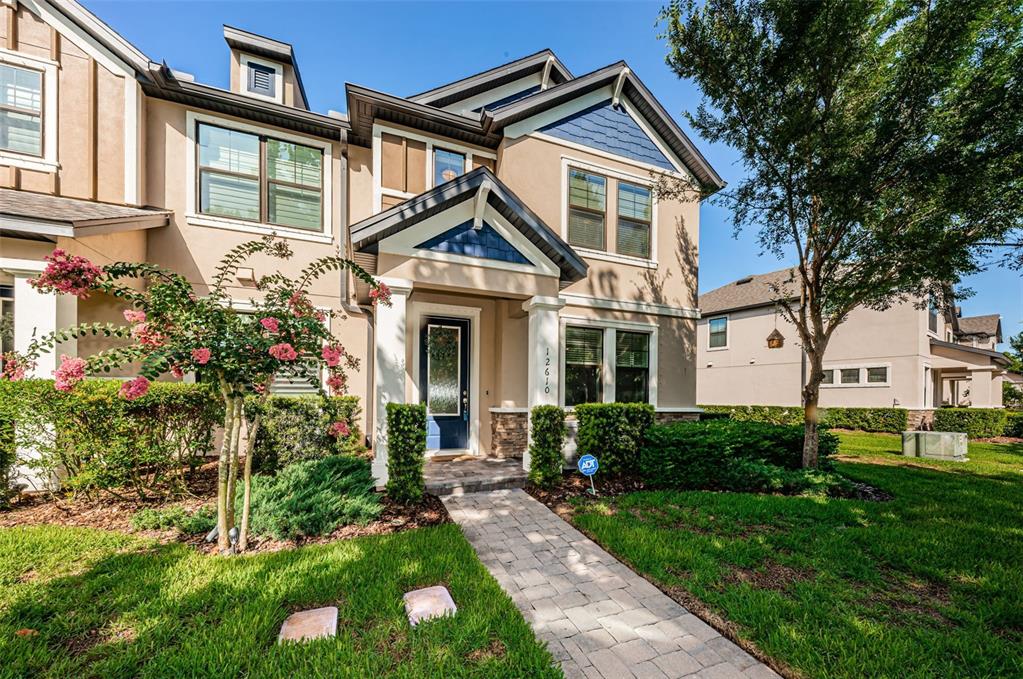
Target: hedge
column 613, row 433
column 1013, row 424
column 733, row 455
column 548, row 437
column 97, row 440
column 892, row 420
column 978, row 423
column 294, row 428
column 406, row 449
column 8, row 455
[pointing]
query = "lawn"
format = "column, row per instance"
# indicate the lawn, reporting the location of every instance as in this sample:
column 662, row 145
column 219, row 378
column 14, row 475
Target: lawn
column 105, row 604
column 928, row 584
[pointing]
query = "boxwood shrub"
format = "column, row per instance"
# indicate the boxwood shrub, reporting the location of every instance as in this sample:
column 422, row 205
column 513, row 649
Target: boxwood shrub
column 406, row 449
column 978, row 423
column 294, row 428
column 613, row 433
column 1013, row 424
column 732, row 455
column 548, row 437
column 892, row 420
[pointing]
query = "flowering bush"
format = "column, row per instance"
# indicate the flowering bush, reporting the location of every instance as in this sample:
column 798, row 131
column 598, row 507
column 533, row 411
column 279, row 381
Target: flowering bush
column 174, row 330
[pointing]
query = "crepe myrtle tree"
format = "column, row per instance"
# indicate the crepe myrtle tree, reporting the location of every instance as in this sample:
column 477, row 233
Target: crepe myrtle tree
column 172, row 329
column 882, row 142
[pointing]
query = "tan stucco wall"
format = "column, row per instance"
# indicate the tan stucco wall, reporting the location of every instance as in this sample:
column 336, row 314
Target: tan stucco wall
column 464, row 277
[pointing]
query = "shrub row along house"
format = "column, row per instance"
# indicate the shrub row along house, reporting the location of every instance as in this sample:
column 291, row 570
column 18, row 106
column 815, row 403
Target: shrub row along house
column 912, row 356
column 511, row 214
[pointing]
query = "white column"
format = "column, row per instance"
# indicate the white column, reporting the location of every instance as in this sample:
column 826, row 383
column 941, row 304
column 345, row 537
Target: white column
column 543, row 355
column 388, row 368
column 35, row 315
column 981, row 383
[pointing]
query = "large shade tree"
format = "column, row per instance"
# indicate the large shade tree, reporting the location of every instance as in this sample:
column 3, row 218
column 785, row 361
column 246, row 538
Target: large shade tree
column 882, row 143
column 173, row 330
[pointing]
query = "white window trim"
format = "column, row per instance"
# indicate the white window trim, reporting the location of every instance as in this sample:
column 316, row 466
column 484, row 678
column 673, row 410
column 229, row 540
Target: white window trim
column 570, row 162
column 278, row 71
column 195, row 218
column 47, row 162
column 728, row 332
column 378, row 189
column 862, row 367
column 610, row 328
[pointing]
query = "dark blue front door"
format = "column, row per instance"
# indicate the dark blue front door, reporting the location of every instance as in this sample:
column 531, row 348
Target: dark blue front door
column 444, row 380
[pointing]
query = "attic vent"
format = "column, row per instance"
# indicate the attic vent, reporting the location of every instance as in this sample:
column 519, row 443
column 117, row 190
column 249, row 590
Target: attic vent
column 743, row 281
column 261, row 80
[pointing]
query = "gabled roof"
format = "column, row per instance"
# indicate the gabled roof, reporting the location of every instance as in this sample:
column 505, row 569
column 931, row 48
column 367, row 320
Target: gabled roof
column 495, row 77
column 641, row 98
column 370, row 231
column 749, row 292
column 262, row 46
column 989, row 325
column 366, row 105
column 46, row 216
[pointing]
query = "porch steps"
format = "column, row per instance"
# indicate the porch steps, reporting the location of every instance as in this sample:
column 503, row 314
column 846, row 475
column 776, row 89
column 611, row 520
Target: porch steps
column 467, row 474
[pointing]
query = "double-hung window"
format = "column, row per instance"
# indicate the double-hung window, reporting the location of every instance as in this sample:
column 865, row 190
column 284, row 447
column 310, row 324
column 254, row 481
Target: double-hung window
column 584, row 365
column 258, row 178
column 634, row 216
column 21, row 110
column 718, row 338
column 587, row 204
column 632, row 367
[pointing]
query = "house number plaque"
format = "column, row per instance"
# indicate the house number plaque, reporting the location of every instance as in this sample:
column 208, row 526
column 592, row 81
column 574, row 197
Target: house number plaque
column 547, row 372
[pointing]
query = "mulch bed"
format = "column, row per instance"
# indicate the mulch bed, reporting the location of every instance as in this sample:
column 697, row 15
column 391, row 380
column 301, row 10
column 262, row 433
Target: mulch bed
column 574, row 485
column 114, row 513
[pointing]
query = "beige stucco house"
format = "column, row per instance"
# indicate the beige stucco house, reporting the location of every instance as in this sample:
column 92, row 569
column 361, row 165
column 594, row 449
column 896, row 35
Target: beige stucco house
column 910, row 356
column 510, row 212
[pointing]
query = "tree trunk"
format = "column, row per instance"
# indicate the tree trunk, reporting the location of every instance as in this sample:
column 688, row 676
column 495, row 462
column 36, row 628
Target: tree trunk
column 811, row 396
column 223, row 462
column 243, row 538
column 232, row 477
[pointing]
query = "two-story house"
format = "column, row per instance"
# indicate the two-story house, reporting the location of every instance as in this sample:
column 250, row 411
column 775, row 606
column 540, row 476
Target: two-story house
column 510, row 212
column 911, row 356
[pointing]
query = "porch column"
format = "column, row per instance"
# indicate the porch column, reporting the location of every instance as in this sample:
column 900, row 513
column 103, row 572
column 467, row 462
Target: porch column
column 543, row 355
column 35, row 313
column 388, row 368
column 981, row 388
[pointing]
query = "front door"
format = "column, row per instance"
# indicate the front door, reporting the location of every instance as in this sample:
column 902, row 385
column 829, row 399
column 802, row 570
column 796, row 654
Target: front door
column 444, row 380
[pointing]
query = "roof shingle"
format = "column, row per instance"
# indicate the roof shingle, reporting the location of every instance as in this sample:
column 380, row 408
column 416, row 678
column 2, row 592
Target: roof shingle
column 751, row 291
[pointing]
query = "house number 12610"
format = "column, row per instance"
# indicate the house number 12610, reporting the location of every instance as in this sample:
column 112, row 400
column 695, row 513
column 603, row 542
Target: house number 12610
column 547, row 373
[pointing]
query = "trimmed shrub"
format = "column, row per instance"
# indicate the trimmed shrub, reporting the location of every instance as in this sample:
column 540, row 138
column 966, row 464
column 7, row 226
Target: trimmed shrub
column 548, row 438
column 162, row 518
column 8, row 457
column 406, row 448
column 706, row 455
column 1013, row 424
column 613, row 433
column 294, row 428
column 892, row 420
column 978, row 423
column 98, row 440
column 313, row 497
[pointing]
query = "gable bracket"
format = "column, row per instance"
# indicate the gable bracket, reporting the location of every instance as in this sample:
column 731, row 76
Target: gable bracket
column 619, row 84
column 480, row 204
column 545, row 80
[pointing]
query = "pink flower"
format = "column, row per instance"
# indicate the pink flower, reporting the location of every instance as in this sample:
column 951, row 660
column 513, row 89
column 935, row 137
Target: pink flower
column 14, row 366
column 339, row 428
column 68, row 274
column 381, row 294
column 134, row 316
column 259, row 388
column 135, row 388
column 70, row 373
column 177, row 371
column 201, row 355
column 283, row 352
column 337, row 382
column 145, row 335
column 332, row 355
column 270, row 323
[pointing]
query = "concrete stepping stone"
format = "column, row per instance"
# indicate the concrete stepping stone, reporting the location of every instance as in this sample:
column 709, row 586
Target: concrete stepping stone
column 316, row 623
column 427, row 603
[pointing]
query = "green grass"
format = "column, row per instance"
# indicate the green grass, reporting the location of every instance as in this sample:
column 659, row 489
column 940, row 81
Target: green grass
column 929, row 584
column 113, row 605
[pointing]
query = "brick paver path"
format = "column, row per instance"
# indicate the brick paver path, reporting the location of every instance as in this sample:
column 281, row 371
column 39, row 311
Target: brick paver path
column 599, row 618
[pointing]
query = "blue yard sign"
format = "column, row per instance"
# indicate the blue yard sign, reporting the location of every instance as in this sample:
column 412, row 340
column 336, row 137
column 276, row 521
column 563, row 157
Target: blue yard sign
column 588, row 466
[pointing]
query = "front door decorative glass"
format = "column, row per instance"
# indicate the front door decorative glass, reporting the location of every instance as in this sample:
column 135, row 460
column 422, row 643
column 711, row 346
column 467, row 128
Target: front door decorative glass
column 444, row 380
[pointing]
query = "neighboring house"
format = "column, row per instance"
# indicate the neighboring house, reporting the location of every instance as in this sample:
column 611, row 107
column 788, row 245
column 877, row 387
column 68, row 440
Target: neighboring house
column 910, row 356
column 510, row 212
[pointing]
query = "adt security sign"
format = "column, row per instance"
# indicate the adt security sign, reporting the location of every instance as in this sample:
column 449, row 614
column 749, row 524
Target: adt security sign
column 588, row 466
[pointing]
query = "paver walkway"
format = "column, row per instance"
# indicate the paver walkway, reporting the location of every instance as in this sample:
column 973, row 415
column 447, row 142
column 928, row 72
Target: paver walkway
column 599, row 618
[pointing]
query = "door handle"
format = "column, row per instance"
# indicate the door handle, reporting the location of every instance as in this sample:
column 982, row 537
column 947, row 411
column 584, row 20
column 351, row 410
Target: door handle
column 465, row 405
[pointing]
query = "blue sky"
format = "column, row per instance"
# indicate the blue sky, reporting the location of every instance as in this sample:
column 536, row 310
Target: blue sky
column 404, row 48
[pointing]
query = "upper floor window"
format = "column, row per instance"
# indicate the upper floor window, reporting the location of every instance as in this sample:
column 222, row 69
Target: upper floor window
column 21, row 110
column 932, row 315
column 718, row 335
column 447, row 165
column 634, row 217
column 584, row 365
column 587, row 202
column 258, row 178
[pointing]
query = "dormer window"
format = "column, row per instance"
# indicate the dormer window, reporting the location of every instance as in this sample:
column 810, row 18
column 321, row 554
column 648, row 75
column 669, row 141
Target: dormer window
column 263, row 79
